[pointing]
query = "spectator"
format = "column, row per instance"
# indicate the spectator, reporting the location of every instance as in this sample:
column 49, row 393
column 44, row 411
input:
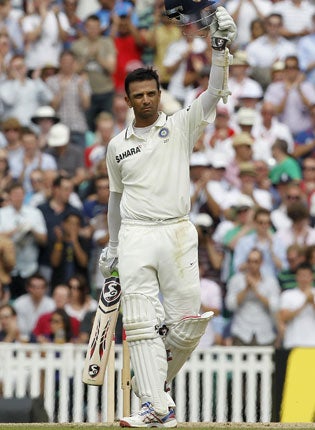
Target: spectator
column 297, row 18
column 69, row 158
column 253, row 298
column 305, row 140
column 243, row 147
column 9, row 24
column 285, row 164
column 292, row 97
column 7, row 264
column 9, row 331
column 104, row 132
column 60, row 330
column 306, row 50
column 72, row 96
column 44, row 118
column 267, row 131
column 96, row 56
column 30, row 306
column 45, row 29
column 307, row 183
column 70, row 251
column 129, row 41
column 5, row 175
column 4, row 295
column 267, row 49
column 296, row 255
column 244, row 12
column 5, row 56
column 54, row 210
column 120, row 112
column 293, row 194
column 26, row 227
column 21, row 96
column 300, row 231
column 263, row 239
column 33, row 158
column 297, row 310
column 60, row 296
column 76, row 25
column 257, row 28
column 80, row 301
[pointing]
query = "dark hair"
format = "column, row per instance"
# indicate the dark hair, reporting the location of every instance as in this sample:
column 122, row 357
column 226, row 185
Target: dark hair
column 304, row 266
column 261, row 211
column 282, row 145
column 83, row 286
column 8, row 306
column 58, row 180
column 298, row 211
column 66, row 323
column 142, row 74
column 36, row 276
column 92, row 17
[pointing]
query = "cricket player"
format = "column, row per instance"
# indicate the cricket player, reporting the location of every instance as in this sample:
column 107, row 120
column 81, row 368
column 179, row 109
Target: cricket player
column 150, row 233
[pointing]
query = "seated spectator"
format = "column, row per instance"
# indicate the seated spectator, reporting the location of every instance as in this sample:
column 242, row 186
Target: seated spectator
column 70, row 251
column 5, row 175
column 12, row 129
column 285, row 164
column 297, row 310
column 44, row 118
column 60, row 330
column 60, row 296
column 80, row 301
column 305, row 140
column 306, row 53
column 30, row 306
column 307, row 184
column 263, row 239
column 296, row 255
column 7, row 264
column 253, row 298
column 26, row 227
column 9, row 331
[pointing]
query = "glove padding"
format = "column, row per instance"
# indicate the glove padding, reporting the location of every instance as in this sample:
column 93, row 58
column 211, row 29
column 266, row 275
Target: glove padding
column 107, row 262
column 222, row 25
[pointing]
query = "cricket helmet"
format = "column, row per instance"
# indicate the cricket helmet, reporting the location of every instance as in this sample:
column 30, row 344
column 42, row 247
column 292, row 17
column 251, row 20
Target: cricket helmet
column 178, row 8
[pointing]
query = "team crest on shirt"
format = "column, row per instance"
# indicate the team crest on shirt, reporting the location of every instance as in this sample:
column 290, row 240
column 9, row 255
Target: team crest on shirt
column 163, row 133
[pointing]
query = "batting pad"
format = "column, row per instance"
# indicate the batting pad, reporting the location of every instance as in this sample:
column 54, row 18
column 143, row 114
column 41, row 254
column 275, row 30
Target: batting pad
column 182, row 339
column 147, row 350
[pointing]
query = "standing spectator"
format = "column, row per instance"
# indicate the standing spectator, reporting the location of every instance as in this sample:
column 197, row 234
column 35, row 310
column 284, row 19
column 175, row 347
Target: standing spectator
column 297, row 310
column 268, row 48
column 45, row 29
column 306, row 53
column 69, row 158
column 297, row 18
column 44, row 118
column 253, row 298
column 76, row 25
column 21, row 96
column 263, row 239
column 296, row 255
column 70, row 251
column 80, row 301
column 244, row 12
column 26, row 226
column 9, row 24
column 96, row 55
column 33, row 158
column 292, row 97
column 30, row 306
column 285, row 164
column 72, row 95
column 54, row 210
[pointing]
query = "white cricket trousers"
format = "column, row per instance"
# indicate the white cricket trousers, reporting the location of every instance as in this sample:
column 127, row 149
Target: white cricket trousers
column 161, row 259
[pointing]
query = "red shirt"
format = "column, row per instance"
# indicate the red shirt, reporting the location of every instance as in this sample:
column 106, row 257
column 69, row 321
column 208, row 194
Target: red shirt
column 42, row 326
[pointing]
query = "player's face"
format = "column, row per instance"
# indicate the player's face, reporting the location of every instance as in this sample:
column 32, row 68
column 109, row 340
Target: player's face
column 144, row 98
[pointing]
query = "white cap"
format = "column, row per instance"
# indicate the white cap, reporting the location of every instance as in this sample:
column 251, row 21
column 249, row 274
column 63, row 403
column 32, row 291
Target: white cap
column 246, row 116
column 251, row 90
column 219, row 161
column 203, row 220
column 45, row 112
column 244, row 201
column 59, row 135
column 198, row 158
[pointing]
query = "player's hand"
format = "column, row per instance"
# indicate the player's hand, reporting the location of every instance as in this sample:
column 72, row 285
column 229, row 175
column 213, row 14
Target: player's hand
column 222, row 25
column 108, row 262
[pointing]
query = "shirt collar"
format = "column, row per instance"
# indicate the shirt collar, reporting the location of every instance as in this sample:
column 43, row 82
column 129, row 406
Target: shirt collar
column 160, row 123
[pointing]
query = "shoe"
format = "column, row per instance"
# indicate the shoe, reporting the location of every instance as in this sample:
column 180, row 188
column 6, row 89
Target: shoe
column 147, row 417
column 170, row 401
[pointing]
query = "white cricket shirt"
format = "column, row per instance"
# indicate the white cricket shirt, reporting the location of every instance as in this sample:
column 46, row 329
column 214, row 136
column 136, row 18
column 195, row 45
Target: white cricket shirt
column 152, row 171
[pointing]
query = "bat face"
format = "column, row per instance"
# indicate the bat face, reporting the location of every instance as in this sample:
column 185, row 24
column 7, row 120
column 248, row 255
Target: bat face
column 102, row 332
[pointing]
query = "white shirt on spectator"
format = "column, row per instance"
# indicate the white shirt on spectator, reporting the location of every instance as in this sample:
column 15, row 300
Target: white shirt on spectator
column 263, row 53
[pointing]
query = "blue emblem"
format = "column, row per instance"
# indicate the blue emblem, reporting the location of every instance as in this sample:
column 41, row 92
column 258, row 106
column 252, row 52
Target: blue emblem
column 164, row 132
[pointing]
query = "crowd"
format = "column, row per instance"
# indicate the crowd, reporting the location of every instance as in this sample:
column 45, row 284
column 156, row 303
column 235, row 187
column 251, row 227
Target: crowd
column 252, row 171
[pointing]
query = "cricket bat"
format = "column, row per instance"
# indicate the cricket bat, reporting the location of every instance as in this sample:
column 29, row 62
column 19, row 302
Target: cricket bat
column 103, row 331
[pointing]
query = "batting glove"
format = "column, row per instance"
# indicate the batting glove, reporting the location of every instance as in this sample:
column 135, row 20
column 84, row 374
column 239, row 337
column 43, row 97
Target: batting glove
column 108, row 262
column 223, row 28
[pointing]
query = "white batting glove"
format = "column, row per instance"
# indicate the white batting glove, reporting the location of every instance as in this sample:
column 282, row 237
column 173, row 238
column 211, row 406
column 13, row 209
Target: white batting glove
column 222, row 27
column 108, row 262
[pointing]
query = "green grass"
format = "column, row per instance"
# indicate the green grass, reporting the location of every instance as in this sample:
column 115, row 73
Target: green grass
column 195, row 426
